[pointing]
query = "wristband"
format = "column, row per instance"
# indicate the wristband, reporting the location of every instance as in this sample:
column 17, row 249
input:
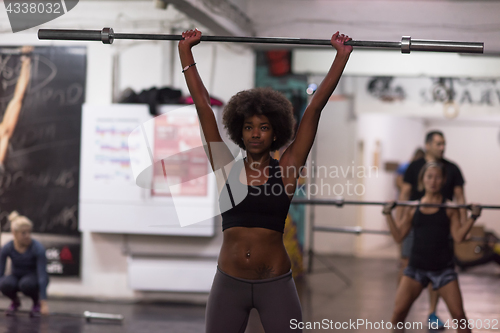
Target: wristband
column 25, row 56
column 390, row 212
column 187, row 67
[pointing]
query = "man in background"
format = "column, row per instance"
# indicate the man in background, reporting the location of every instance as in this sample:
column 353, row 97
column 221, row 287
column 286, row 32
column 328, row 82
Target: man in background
column 400, row 172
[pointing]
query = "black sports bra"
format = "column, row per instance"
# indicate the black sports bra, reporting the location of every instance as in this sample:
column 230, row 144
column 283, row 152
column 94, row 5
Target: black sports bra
column 263, row 206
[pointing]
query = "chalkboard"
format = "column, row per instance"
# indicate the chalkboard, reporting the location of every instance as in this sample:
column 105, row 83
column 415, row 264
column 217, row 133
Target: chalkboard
column 41, row 174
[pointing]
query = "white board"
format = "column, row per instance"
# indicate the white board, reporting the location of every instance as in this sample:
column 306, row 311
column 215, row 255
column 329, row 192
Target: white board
column 110, row 199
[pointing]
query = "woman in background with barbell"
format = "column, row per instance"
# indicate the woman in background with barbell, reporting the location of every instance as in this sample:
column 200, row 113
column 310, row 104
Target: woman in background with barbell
column 254, row 270
column 431, row 258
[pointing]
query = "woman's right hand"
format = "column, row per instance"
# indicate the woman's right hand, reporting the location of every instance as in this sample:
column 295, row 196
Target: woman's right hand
column 389, row 207
column 476, row 209
column 191, row 38
column 44, row 308
column 26, row 52
column 338, row 41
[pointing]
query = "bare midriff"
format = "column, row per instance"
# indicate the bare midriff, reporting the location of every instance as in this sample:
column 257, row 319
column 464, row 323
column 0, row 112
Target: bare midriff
column 253, row 253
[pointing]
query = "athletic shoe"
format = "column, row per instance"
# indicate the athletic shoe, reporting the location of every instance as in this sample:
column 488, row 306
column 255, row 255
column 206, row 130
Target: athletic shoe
column 35, row 310
column 433, row 319
column 13, row 307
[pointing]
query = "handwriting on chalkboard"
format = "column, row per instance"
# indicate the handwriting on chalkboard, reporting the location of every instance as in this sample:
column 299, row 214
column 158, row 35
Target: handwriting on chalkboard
column 31, row 135
column 43, row 72
column 64, row 178
column 41, row 169
column 40, row 91
column 66, row 218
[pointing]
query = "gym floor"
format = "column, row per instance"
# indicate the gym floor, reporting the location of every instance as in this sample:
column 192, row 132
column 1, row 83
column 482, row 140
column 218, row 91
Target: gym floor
column 370, row 296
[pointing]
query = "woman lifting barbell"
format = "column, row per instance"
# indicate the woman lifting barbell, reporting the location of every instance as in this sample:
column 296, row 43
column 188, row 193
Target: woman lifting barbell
column 431, row 258
column 253, row 266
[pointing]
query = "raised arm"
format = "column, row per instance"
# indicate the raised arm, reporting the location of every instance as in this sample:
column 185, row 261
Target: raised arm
column 13, row 110
column 400, row 229
column 458, row 229
column 404, row 195
column 14, row 107
column 218, row 153
column 296, row 154
column 24, row 75
column 459, row 196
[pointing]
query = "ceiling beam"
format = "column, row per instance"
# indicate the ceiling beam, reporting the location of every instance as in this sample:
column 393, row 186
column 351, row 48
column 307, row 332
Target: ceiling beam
column 221, row 16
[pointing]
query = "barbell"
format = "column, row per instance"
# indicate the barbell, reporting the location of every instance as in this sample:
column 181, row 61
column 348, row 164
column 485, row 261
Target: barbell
column 340, row 202
column 406, row 45
column 358, row 231
column 87, row 315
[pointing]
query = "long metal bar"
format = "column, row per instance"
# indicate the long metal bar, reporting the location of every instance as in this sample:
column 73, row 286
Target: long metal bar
column 406, row 45
column 87, row 315
column 352, row 230
column 341, row 202
column 359, row 231
column 102, row 316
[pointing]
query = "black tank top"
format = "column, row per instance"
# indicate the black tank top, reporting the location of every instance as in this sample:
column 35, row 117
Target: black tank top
column 433, row 247
column 262, row 206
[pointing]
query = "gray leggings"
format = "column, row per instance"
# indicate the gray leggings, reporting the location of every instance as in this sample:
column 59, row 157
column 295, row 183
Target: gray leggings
column 231, row 300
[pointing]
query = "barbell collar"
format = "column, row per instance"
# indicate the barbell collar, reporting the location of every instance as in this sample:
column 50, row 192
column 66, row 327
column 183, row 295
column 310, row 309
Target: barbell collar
column 107, row 36
column 405, row 44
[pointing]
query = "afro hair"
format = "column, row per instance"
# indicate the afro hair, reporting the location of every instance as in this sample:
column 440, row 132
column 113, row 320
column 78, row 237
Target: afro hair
column 260, row 101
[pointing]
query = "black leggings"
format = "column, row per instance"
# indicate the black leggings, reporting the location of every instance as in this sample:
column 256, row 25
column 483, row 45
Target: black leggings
column 231, row 300
column 27, row 284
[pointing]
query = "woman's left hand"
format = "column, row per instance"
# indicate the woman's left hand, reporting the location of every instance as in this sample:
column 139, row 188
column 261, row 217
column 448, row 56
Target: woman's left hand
column 388, row 207
column 338, row 41
column 190, row 38
column 476, row 209
column 44, row 307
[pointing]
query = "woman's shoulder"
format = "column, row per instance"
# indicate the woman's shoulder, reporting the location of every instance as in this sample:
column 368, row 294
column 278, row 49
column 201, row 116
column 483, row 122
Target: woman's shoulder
column 412, row 206
column 450, row 206
column 37, row 246
column 8, row 246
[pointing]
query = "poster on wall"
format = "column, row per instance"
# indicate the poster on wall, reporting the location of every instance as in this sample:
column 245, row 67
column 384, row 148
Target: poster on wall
column 177, row 132
column 123, row 187
column 112, row 161
column 430, row 96
column 41, row 97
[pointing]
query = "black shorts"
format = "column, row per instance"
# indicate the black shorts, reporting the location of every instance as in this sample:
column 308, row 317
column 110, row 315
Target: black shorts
column 437, row 278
